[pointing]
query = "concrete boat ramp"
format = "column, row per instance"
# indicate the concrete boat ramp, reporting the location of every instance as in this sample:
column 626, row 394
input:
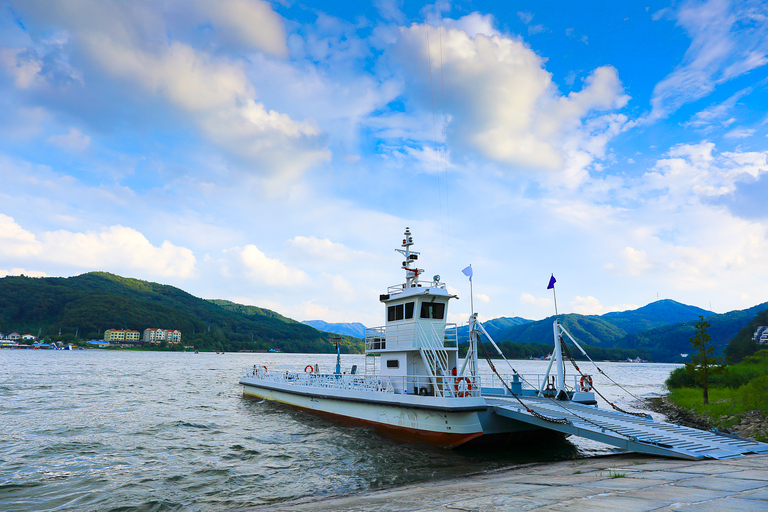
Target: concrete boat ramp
column 627, row 483
column 640, row 434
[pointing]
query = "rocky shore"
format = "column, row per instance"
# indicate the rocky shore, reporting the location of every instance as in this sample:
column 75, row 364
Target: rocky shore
column 754, row 425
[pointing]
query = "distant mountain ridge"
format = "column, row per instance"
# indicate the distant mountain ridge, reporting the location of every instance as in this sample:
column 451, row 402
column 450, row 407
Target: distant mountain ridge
column 661, row 328
column 90, row 303
column 653, row 315
column 355, row 329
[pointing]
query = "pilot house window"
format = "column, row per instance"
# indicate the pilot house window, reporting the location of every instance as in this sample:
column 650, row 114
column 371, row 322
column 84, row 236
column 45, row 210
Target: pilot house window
column 400, row 312
column 434, row 310
column 393, row 363
column 395, row 313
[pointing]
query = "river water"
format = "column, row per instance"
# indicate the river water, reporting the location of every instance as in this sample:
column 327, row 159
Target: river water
column 139, row 431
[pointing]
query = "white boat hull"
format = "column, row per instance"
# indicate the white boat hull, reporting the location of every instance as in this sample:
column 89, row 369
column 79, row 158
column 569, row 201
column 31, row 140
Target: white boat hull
column 445, row 422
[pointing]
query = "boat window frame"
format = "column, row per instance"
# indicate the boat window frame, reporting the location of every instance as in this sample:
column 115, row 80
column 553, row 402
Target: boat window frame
column 391, row 366
column 429, row 310
column 395, row 312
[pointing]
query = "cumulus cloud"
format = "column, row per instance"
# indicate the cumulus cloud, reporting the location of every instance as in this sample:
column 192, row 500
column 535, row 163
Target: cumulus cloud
column 128, row 43
column 696, row 220
column 502, row 102
column 251, row 23
column 322, row 248
column 113, row 248
column 271, row 271
column 22, row 272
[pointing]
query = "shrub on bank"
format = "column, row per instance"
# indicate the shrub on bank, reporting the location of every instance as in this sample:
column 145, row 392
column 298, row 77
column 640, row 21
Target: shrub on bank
column 733, row 376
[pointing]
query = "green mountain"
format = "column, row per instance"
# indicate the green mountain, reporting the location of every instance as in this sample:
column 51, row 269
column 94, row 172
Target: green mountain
column 586, row 329
column 660, row 329
column 656, row 314
column 90, row 303
column 668, row 342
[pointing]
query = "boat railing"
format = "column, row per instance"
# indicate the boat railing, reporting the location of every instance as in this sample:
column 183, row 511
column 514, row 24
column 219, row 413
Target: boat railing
column 394, row 336
column 403, row 336
column 423, row 385
column 521, row 383
column 398, row 288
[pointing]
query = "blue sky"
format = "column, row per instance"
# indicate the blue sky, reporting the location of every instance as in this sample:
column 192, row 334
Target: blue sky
column 272, row 153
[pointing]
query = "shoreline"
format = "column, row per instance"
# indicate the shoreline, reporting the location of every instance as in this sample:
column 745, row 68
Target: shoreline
column 612, row 482
column 752, row 425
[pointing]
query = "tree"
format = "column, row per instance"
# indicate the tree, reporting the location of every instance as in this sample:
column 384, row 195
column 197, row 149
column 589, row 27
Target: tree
column 703, row 364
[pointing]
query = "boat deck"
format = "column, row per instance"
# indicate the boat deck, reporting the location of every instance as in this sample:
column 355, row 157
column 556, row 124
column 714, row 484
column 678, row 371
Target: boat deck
column 626, row 431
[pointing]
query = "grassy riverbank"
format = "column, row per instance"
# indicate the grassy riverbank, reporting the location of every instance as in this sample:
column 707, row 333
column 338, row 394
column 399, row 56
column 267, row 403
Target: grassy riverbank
column 738, row 397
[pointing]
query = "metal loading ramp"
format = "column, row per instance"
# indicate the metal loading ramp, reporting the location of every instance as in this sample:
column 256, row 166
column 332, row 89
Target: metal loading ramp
column 625, row 431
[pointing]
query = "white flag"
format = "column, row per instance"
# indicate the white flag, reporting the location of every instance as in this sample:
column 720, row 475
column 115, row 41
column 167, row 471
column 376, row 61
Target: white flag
column 468, row 272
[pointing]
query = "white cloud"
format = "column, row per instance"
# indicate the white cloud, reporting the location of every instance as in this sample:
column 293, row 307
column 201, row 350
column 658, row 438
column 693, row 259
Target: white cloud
column 739, row 133
column 267, row 270
column 115, row 248
column 503, row 103
column 24, row 71
column 719, row 113
column 129, row 43
column 591, row 306
column 322, row 248
column 727, row 40
column 75, row 140
column 527, row 298
column 22, row 272
column 249, row 22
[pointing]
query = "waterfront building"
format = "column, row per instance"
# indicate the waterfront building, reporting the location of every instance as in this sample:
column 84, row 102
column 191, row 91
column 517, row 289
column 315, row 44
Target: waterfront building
column 114, row 335
column 14, row 336
column 761, row 334
column 155, row 335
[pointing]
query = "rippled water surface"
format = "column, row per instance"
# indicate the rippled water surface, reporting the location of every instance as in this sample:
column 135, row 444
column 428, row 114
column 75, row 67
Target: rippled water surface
column 130, row 431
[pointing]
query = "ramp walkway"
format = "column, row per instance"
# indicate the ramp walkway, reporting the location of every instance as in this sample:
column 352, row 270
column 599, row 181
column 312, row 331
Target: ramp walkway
column 632, row 433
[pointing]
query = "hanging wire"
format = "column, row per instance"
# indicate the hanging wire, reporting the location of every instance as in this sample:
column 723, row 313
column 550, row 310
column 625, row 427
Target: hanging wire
column 562, row 421
column 642, row 401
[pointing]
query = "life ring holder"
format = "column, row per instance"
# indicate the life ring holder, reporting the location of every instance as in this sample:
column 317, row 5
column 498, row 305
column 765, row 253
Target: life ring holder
column 308, row 369
column 585, row 383
column 466, row 391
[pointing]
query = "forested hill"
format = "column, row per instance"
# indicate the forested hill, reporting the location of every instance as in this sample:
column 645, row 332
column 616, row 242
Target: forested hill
column 661, row 329
column 90, row 303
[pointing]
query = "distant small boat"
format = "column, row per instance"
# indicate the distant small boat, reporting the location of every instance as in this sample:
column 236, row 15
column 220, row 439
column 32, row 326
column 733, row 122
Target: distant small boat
column 683, row 355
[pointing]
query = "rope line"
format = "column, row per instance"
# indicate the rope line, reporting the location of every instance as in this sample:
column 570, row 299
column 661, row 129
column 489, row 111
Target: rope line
column 562, row 421
column 616, row 407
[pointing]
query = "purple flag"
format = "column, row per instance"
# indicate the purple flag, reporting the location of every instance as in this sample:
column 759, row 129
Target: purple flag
column 468, row 272
column 552, row 282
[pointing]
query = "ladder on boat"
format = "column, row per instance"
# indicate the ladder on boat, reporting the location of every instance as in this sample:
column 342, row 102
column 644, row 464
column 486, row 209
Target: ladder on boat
column 632, row 433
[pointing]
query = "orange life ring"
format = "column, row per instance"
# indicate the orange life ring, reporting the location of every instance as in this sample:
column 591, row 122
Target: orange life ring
column 585, row 383
column 464, row 392
column 308, row 369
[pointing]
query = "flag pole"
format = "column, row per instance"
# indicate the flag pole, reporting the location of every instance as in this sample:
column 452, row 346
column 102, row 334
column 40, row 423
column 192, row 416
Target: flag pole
column 471, row 296
column 555, row 296
column 551, row 284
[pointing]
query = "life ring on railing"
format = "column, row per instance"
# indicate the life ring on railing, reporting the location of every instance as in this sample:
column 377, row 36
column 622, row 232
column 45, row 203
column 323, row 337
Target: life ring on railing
column 308, row 369
column 466, row 389
column 585, row 383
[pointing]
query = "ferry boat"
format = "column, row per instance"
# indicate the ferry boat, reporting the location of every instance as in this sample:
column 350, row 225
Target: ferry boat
column 414, row 386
